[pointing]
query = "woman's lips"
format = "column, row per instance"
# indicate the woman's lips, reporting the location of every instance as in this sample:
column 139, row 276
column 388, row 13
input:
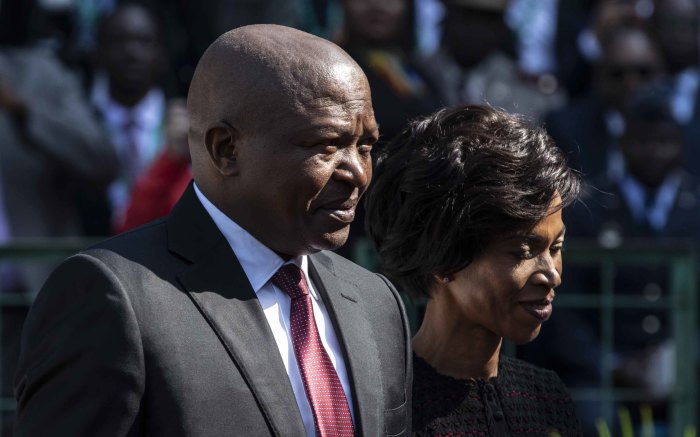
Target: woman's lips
column 539, row 309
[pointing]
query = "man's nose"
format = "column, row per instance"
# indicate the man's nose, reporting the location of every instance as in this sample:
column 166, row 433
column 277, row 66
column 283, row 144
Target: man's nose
column 354, row 167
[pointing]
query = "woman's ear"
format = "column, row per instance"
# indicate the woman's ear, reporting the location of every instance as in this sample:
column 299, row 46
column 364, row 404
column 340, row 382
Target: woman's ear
column 442, row 278
column 220, row 140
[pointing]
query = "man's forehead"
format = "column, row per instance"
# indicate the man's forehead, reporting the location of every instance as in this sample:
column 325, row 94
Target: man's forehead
column 328, row 117
column 341, row 80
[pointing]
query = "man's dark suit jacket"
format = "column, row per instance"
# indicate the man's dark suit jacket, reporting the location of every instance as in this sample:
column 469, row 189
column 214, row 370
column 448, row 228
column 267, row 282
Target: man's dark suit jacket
column 158, row 332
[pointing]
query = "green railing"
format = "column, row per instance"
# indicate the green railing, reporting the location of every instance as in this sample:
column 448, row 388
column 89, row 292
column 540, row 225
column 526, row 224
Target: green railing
column 681, row 302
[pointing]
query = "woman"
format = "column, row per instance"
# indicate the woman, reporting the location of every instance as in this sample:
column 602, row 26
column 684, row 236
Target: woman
column 466, row 210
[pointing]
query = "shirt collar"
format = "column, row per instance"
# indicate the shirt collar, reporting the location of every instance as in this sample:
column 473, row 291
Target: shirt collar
column 655, row 211
column 148, row 111
column 259, row 262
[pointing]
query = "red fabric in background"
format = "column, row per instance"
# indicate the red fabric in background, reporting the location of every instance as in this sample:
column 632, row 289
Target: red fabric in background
column 156, row 191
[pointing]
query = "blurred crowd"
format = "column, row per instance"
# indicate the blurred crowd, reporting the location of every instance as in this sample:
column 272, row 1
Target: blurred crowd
column 93, row 126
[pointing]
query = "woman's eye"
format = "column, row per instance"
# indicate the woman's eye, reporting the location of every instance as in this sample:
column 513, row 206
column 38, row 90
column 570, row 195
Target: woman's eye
column 524, row 253
column 557, row 247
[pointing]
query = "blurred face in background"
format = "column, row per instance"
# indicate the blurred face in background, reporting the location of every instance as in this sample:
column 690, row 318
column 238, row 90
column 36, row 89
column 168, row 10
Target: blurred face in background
column 677, row 26
column 472, row 34
column 131, row 50
column 375, row 21
column 652, row 150
column 630, row 60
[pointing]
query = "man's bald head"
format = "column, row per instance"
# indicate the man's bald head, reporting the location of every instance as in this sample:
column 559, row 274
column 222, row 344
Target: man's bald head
column 281, row 132
column 250, row 71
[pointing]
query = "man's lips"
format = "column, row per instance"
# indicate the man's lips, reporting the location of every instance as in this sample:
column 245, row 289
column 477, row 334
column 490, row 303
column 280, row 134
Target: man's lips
column 540, row 309
column 342, row 210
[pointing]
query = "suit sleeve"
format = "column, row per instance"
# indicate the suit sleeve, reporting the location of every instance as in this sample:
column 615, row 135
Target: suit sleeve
column 62, row 126
column 408, row 387
column 81, row 366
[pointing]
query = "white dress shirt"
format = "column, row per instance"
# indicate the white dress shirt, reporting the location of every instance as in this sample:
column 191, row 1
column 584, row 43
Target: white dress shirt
column 260, row 263
column 535, row 23
column 149, row 115
column 686, row 84
column 654, row 211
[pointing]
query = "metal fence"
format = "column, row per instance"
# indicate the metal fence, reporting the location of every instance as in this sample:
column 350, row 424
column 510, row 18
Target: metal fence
column 681, row 303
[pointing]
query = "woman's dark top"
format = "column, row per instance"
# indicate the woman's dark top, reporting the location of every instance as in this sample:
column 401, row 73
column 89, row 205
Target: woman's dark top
column 523, row 400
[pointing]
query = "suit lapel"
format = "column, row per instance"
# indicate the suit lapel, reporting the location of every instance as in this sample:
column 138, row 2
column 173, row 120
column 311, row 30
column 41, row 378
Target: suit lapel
column 219, row 287
column 342, row 299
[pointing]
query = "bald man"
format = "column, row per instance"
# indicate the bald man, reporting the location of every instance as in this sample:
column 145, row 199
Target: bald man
column 229, row 317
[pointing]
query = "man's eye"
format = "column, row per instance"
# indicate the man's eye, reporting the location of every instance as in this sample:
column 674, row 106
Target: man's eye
column 329, row 148
column 365, row 149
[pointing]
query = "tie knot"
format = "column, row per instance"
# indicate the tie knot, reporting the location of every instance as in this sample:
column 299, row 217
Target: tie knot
column 130, row 122
column 290, row 279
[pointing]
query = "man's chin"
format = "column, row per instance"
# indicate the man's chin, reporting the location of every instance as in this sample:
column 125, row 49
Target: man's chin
column 317, row 243
column 330, row 240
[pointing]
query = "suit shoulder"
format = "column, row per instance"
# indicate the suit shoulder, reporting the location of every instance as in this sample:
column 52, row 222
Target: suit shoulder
column 346, row 268
column 135, row 243
column 360, row 276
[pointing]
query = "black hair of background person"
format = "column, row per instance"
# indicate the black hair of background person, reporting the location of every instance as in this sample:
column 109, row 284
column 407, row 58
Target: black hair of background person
column 573, row 70
column 469, row 174
column 391, row 109
column 15, row 20
column 191, row 25
column 472, row 33
column 406, row 39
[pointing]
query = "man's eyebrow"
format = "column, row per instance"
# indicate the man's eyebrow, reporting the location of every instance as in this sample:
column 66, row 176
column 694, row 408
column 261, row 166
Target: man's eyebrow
column 336, row 129
column 322, row 128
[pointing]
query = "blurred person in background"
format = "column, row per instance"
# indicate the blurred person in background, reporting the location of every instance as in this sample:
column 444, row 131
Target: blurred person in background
column 51, row 146
column 476, row 62
column 126, row 93
column 654, row 199
column 589, row 129
column 466, row 211
column 191, row 25
column 159, row 188
column 677, row 23
column 379, row 35
column 548, row 33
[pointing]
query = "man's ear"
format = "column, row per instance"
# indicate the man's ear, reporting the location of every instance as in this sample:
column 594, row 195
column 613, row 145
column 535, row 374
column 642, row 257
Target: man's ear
column 220, row 140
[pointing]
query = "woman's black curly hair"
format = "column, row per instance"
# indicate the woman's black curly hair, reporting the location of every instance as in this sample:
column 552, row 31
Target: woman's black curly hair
column 455, row 180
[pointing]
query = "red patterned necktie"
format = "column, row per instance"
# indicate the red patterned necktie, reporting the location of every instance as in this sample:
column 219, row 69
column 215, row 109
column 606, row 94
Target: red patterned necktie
column 323, row 389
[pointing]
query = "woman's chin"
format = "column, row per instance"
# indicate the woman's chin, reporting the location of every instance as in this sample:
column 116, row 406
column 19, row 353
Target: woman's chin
column 524, row 337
